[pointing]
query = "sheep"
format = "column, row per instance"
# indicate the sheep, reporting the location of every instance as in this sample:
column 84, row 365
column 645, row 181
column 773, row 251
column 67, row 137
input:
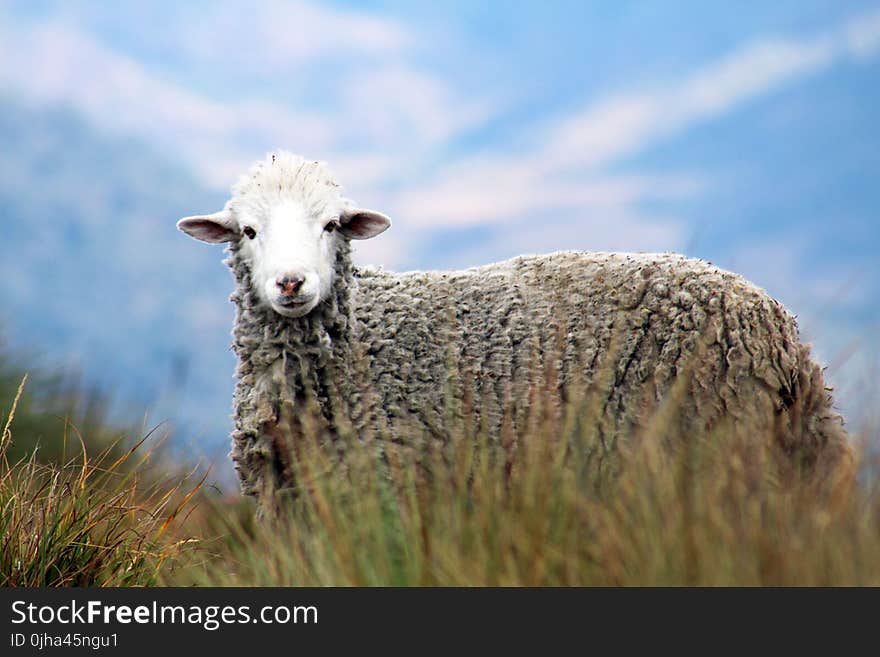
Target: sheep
column 373, row 348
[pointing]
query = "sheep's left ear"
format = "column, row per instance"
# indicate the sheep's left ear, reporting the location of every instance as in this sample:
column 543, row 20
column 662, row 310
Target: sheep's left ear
column 360, row 224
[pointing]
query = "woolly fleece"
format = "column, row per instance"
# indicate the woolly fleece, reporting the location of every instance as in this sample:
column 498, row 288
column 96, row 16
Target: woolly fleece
column 647, row 320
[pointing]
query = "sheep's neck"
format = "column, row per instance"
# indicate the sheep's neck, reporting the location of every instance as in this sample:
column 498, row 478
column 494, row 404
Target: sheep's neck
column 290, row 370
column 299, row 351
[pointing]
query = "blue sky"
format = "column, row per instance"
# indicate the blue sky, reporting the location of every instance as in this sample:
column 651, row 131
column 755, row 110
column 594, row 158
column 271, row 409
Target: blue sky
column 743, row 133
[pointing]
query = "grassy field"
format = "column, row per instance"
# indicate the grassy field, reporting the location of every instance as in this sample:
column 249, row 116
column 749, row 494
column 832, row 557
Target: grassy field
column 546, row 507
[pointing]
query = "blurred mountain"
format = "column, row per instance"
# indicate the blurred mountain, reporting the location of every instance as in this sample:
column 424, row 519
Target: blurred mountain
column 95, row 277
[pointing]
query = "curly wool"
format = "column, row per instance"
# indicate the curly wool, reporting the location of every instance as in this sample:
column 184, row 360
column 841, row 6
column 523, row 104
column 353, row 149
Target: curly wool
column 646, row 320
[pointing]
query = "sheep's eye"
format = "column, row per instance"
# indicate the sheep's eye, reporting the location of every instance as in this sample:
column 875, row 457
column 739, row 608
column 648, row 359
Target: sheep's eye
column 332, row 225
column 249, row 232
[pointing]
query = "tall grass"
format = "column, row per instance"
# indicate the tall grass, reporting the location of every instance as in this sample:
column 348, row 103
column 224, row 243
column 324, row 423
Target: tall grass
column 548, row 504
column 551, row 506
column 90, row 520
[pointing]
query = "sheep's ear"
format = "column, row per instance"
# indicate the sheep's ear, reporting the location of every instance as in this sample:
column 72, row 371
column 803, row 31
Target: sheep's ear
column 360, row 224
column 213, row 228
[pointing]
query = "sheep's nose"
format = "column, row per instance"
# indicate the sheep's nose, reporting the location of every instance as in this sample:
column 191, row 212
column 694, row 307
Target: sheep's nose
column 289, row 284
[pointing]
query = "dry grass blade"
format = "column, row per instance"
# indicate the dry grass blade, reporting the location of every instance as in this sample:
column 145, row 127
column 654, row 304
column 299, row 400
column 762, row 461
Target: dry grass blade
column 6, row 436
column 182, row 504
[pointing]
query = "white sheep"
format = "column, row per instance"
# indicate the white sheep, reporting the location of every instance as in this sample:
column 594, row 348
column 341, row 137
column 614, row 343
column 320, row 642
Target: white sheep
column 311, row 326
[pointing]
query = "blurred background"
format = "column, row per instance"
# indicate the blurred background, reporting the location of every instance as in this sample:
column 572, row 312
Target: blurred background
column 741, row 133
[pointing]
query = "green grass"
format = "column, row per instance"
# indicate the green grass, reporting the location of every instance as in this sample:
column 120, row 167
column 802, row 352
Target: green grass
column 543, row 507
column 547, row 509
column 87, row 520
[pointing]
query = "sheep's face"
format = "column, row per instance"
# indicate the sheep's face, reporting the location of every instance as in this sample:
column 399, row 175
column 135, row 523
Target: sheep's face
column 291, row 249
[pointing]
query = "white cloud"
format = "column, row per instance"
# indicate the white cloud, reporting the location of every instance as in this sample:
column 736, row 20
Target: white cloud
column 566, row 169
column 378, row 112
column 384, row 115
column 862, row 35
column 395, row 100
column 53, row 63
column 282, row 35
column 624, row 126
column 496, row 191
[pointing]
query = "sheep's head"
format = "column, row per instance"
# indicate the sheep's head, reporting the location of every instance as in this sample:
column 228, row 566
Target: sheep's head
column 289, row 217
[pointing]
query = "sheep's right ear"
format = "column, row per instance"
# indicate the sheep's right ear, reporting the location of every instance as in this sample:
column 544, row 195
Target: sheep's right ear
column 213, row 228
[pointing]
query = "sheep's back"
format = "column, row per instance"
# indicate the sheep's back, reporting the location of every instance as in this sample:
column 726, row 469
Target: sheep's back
column 624, row 327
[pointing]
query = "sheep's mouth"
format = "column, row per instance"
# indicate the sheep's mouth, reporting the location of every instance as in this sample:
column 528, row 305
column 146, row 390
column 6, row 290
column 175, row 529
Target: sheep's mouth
column 293, row 307
column 292, row 303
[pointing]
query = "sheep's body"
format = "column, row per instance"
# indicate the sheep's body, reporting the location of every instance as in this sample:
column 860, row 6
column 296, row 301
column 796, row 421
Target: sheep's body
column 387, row 350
